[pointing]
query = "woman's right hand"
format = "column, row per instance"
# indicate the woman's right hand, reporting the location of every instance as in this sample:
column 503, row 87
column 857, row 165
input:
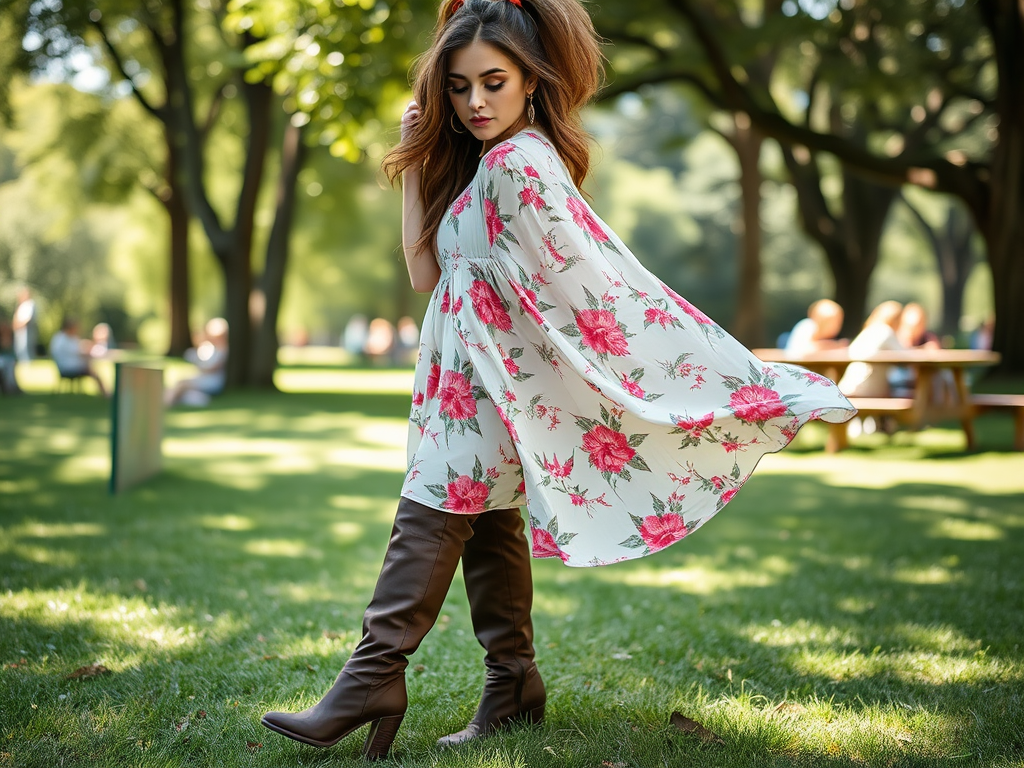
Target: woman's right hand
column 409, row 119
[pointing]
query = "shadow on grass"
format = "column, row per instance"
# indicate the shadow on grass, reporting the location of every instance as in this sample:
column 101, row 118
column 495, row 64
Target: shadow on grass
column 854, row 600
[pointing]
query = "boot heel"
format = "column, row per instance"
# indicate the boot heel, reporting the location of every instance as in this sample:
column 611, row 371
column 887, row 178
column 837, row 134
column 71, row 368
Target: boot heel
column 382, row 734
column 534, row 716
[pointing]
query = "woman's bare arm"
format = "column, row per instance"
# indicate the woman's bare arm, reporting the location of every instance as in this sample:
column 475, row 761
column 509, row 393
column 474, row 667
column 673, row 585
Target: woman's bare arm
column 421, row 262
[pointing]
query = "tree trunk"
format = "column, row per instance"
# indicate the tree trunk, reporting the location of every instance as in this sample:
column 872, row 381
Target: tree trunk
column 181, row 331
column 1003, row 227
column 268, row 300
column 748, row 326
column 238, row 257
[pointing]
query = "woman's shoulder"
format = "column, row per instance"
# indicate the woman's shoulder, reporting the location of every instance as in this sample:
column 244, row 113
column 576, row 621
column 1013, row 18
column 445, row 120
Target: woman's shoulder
column 528, row 152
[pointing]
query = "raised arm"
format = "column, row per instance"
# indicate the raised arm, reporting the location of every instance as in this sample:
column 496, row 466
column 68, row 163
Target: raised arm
column 421, row 262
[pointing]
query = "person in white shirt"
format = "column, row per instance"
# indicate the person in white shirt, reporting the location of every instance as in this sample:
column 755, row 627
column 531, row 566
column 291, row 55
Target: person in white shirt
column 211, row 358
column 71, row 354
column 879, row 334
column 818, row 330
column 24, row 322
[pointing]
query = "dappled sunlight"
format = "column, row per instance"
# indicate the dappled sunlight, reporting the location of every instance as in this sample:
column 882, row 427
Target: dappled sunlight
column 355, row 382
column 228, row 522
column 346, row 532
column 84, row 467
column 42, row 555
column 56, row 530
column 927, row 574
column 282, row 548
column 966, row 530
column 360, row 458
column 707, row 580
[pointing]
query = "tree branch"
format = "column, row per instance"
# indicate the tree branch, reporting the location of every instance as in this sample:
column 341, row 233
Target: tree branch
column 636, row 80
column 119, row 63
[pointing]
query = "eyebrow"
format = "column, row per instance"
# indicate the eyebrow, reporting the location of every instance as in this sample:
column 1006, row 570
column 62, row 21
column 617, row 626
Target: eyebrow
column 494, row 71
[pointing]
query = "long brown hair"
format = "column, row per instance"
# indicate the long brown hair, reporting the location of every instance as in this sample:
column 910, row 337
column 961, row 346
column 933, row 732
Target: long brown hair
column 551, row 39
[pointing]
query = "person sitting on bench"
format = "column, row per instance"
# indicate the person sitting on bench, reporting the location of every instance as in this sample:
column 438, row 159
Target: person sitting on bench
column 71, row 354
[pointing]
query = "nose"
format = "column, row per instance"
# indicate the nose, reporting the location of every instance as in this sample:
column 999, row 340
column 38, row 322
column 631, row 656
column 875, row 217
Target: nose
column 477, row 99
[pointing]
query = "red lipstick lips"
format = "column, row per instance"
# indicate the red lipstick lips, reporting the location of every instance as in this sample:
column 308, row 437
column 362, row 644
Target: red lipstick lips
column 479, row 122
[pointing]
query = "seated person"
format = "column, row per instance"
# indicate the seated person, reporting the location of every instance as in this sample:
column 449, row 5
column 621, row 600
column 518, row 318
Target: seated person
column 913, row 333
column 817, row 331
column 102, row 340
column 878, row 334
column 71, row 354
column 211, row 358
column 8, row 361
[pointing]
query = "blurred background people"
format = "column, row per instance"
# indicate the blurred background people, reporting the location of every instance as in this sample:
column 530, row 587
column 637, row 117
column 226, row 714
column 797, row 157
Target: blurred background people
column 70, row 353
column 878, row 334
column 354, row 338
column 818, row 331
column 379, row 340
column 407, row 341
column 26, row 332
column 211, row 358
column 8, row 362
column 913, row 330
column 102, row 340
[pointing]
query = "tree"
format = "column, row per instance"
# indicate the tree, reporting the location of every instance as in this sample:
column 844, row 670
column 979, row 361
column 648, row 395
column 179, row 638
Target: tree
column 331, row 64
column 956, row 71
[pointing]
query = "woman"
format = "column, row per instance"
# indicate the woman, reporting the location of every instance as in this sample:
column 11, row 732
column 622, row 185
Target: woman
column 554, row 371
column 878, row 335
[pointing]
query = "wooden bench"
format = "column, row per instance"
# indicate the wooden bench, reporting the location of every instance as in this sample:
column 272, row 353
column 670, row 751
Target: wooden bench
column 900, row 408
column 1012, row 403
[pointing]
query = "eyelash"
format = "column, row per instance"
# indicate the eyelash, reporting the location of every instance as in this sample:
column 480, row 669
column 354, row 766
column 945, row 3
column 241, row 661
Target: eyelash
column 463, row 89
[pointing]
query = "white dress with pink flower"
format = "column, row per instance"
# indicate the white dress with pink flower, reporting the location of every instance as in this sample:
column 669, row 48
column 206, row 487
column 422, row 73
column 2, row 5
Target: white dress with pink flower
column 556, row 371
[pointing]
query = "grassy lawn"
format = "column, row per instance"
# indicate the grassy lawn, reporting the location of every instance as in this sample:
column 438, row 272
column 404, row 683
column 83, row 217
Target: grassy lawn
column 864, row 609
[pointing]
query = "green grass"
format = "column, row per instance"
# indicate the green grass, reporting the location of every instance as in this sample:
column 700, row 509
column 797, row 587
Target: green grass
column 864, row 609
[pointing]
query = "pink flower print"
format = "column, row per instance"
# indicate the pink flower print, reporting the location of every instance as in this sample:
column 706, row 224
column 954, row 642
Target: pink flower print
column 600, row 331
column 585, row 220
column 655, row 315
column 528, row 301
column 718, row 482
column 466, row 496
column 446, row 302
column 609, row 450
column 510, row 366
column 544, row 545
column 754, row 404
column 457, row 306
column 417, row 398
column 492, row 472
column 530, row 197
column 508, row 425
column 558, row 470
column 432, row 379
column 731, row 446
column 531, row 172
column 456, row 394
column 495, row 226
column 550, row 245
column 460, row 205
column 688, row 308
column 696, row 426
column 488, row 306
column 497, row 155
column 632, row 387
column 521, row 488
column 727, row 496
column 659, row 532
column 817, row 378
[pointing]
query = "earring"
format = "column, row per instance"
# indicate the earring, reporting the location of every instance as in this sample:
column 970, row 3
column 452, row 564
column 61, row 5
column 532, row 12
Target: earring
column 451, row 120
column 531, row 113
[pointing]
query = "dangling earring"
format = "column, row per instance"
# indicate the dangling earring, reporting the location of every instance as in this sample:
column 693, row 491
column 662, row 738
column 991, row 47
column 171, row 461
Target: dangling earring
column 451, row 120
column 531, row 113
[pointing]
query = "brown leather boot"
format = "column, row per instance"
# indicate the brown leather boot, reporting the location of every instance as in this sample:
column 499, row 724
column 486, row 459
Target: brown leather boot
column 424, row 550
column 496, row 566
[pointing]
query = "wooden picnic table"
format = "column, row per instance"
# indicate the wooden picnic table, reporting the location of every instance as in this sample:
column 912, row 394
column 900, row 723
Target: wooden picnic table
column 929, row 403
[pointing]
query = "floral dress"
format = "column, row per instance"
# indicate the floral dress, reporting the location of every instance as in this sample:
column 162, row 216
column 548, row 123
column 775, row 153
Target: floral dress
column 557, row 372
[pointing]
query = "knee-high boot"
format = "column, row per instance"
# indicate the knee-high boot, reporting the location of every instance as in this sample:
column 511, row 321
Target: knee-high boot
column 496, row 566
column 421, row 559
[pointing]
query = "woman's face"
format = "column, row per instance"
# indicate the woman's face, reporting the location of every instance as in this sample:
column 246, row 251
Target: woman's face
column 488, row 92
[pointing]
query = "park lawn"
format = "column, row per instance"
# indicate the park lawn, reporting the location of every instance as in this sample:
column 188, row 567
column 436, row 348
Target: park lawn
column 850, row 610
